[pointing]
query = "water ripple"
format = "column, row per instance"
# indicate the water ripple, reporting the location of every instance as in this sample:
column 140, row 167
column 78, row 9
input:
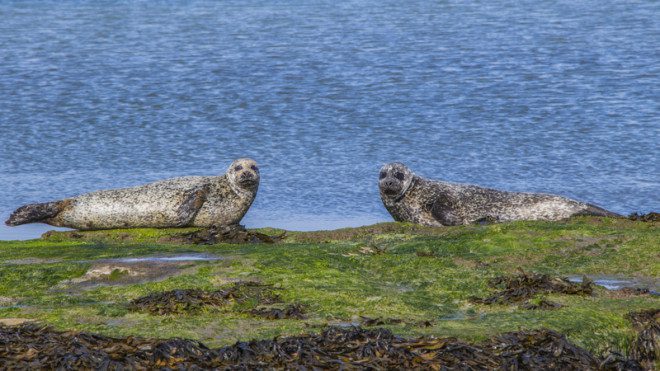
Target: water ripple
column 558, row 97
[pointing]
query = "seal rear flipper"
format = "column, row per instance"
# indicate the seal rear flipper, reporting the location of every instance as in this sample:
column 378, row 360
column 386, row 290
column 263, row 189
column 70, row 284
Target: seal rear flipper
column 192, row 201
column 594, row 210
column 34, row 213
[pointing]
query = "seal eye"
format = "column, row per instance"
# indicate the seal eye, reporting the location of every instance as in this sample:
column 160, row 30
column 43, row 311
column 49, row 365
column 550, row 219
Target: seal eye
column 238, row 168
column 399, row 176
column 253, row 167
column 382, row 175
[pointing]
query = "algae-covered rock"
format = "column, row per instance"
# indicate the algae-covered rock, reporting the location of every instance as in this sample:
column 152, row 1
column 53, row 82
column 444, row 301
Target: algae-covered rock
column 414, row 281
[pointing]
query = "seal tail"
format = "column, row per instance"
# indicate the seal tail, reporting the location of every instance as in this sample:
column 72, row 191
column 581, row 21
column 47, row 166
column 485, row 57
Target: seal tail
column 594, row 210
column 33, row 213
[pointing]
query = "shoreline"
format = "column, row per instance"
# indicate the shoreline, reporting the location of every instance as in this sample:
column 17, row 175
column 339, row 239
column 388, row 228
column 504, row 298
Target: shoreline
column 299, row 224
column 319, row 224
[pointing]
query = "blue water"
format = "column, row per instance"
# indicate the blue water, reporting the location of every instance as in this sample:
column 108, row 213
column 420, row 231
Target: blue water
column 553, row 96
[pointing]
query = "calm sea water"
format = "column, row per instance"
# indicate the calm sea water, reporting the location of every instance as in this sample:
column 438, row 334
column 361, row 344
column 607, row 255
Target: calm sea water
column 553, row 96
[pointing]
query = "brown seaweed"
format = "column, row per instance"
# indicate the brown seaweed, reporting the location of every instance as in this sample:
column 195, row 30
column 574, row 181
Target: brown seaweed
column 192, row 300
column 523, row 286
column 646, row 346
column 34, row 346
column 648, row 217
column 541, row 304
column 225, row 234
column 292, row 311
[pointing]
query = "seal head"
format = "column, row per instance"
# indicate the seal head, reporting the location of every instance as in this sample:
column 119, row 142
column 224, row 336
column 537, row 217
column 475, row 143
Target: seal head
column 394, row 180
column 243, row 176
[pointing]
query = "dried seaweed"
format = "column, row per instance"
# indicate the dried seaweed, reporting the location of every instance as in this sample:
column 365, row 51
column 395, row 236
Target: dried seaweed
column 192, row 300
column 635, row 291
column 291, row 311
column 614, row 361
column 648, row 217
column 225, row 234
column 540, row 350
column 379, row 321
column 178, row 301
column 368, row 321
column 643, row 318
column 32, row 346
column 646, row 347
column 523, row 286
column 541, row 304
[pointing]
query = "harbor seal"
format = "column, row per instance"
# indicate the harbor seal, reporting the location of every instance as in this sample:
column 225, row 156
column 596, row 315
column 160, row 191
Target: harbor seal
column 410, row 198
column 195, row 201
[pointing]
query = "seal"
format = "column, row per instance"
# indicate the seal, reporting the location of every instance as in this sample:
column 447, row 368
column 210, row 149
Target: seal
column 195, row 201
column 411, row 198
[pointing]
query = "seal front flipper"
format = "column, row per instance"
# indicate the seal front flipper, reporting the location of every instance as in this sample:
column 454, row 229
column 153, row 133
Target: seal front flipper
column 34, row 213
column 191, row 202
column 441, row 210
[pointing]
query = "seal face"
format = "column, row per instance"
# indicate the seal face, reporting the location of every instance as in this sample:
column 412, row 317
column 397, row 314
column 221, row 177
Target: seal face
column 243, row 175
column 394, row 181
column 410, row 198
column 200, row 201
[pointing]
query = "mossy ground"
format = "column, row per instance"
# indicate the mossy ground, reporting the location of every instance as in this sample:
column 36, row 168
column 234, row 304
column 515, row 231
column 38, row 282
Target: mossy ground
column 390, row 270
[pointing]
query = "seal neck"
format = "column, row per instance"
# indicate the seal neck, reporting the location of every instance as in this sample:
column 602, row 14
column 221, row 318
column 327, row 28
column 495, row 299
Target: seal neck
column 242, row 192
column 405, row 189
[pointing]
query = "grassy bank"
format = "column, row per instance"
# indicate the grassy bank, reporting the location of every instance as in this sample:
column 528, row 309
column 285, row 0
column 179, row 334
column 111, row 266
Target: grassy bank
column 416, row 280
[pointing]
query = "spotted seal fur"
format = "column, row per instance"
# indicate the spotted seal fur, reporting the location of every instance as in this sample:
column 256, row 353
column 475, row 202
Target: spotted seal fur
column 199, row 201
column 411, row 198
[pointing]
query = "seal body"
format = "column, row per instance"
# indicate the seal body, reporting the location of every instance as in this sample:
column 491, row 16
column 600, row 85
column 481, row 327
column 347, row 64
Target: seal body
column 200, row 201
column 410, row 198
